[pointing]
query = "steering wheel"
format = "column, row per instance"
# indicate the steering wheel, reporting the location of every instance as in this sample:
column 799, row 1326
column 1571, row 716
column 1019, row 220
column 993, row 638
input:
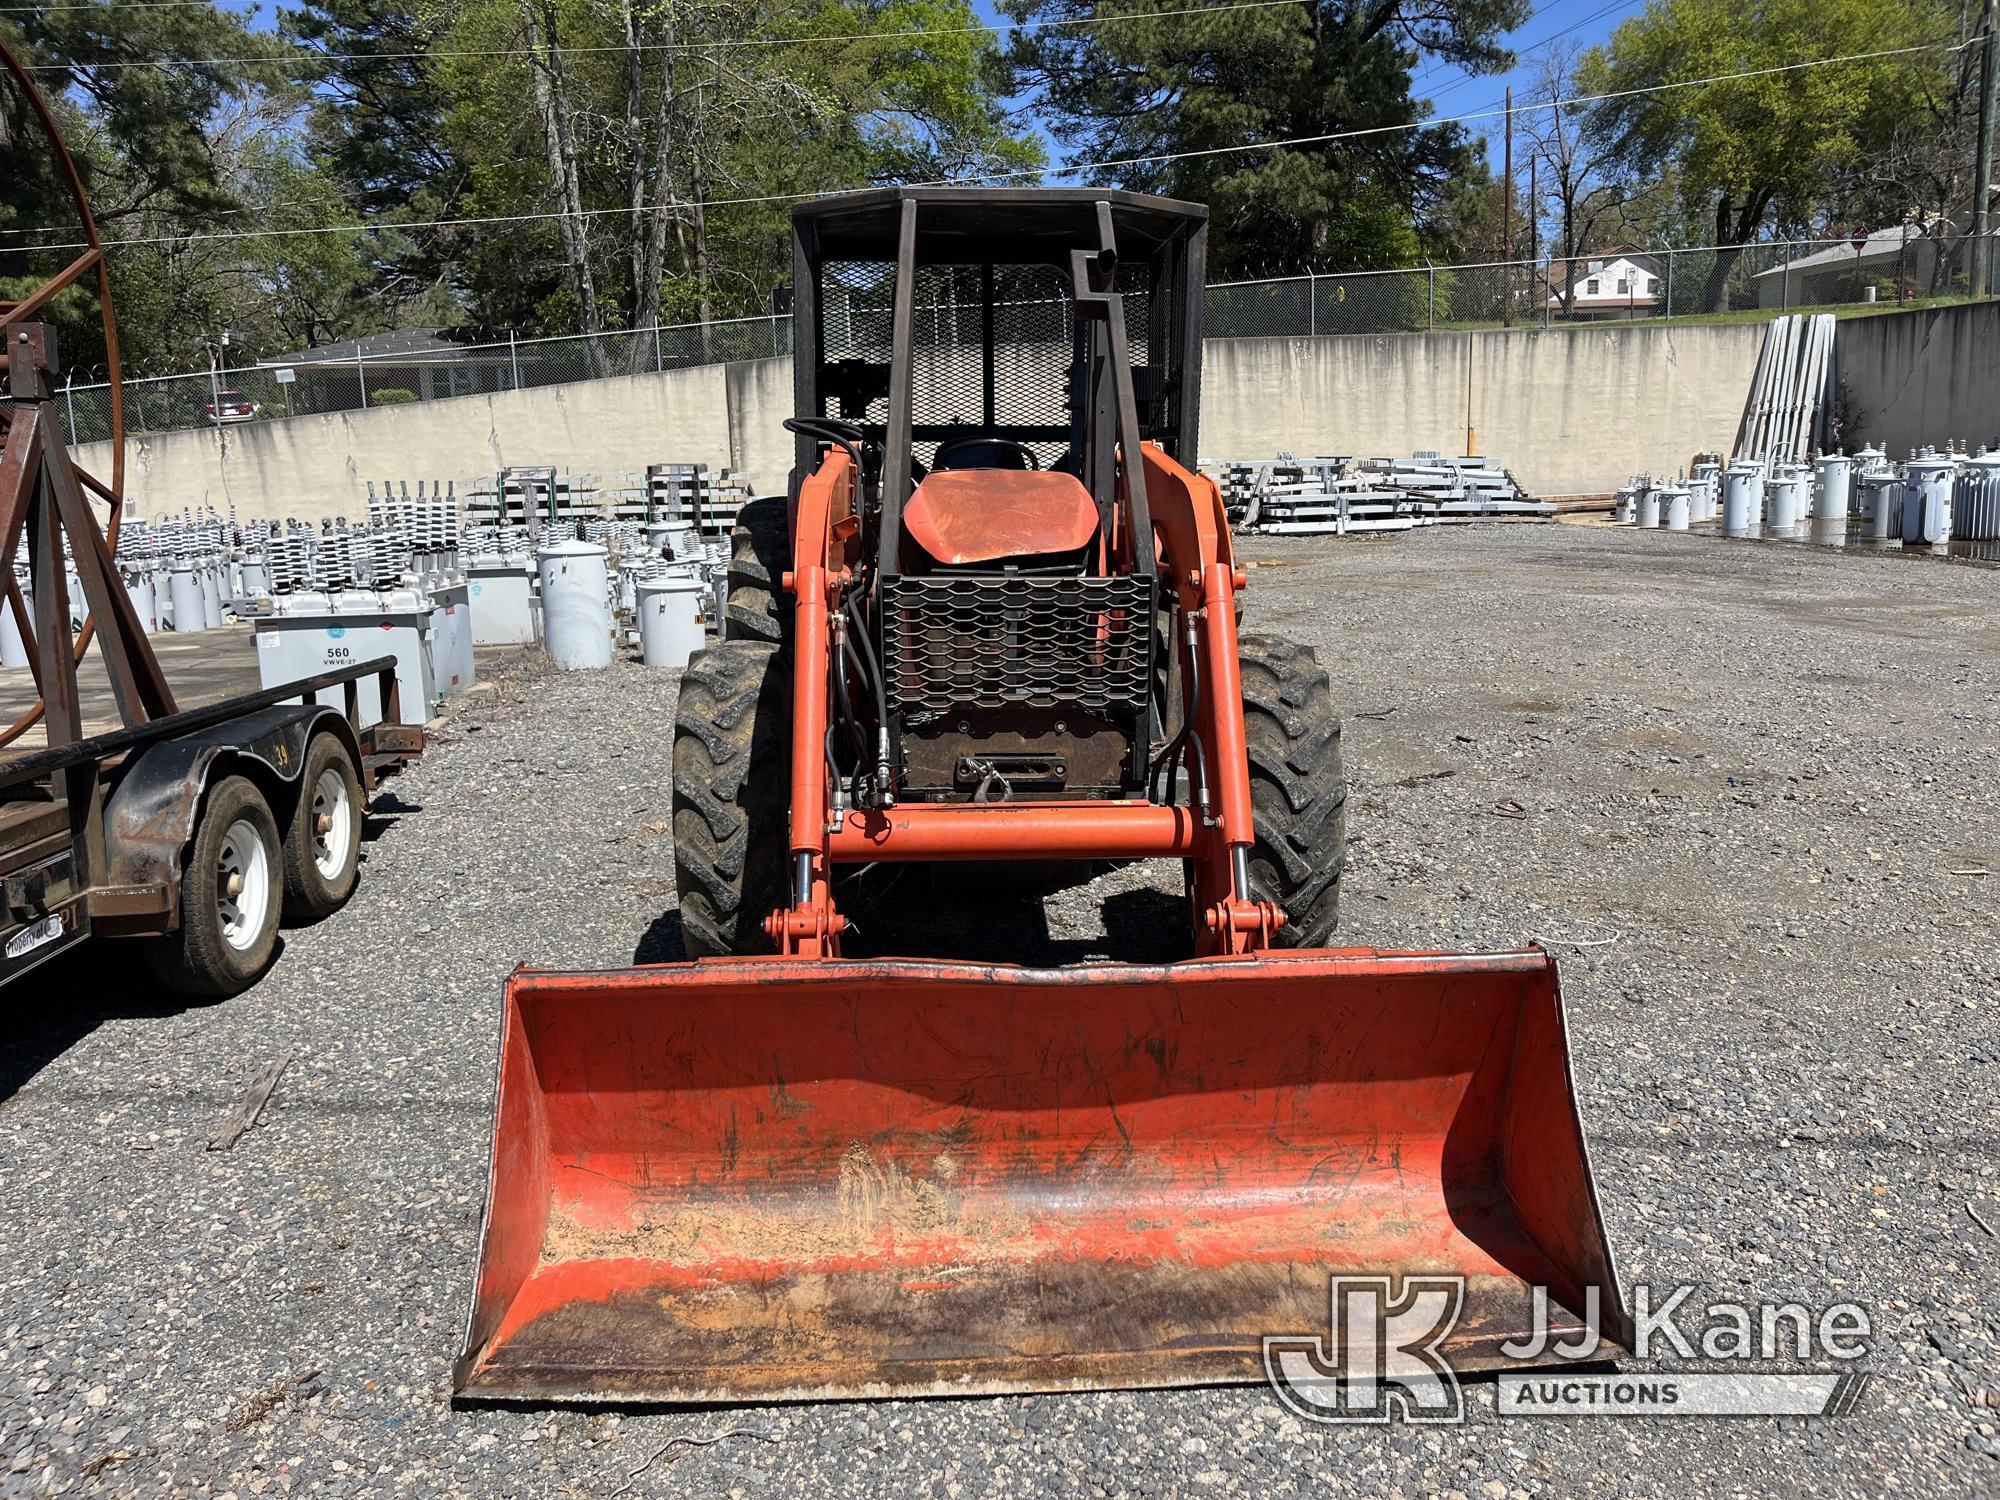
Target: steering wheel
column 831, row 429
column 942, row 458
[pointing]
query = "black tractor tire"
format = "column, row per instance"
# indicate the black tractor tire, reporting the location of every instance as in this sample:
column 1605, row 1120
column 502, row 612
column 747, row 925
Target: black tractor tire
column 1298, row 789
column 322, row 867
column 209, row 956
column 760, row 551
column 732, row 796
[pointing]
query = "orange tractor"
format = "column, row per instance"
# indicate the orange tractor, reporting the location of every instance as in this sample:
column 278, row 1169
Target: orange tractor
column 996, row 620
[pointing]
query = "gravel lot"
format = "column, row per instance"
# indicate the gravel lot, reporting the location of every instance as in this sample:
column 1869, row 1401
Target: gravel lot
column 1750, row 778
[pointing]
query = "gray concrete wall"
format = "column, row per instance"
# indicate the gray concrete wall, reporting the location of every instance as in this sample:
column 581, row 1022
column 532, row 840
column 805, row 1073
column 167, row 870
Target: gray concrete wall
column 1569, row 410
column 318, row 466
column 1919, row 377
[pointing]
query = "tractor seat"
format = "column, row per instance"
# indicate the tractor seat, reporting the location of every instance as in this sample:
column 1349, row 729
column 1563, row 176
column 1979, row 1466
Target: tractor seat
column 961, row 516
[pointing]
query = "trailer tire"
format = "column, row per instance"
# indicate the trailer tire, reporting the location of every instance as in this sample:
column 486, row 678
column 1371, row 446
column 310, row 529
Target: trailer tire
column 1298, row 788
column 732, row 796
column 226, row 939
column 759, row 555
column 322, row 866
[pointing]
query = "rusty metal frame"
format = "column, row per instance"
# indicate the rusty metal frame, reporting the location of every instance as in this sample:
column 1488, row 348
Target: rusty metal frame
column 36, row 462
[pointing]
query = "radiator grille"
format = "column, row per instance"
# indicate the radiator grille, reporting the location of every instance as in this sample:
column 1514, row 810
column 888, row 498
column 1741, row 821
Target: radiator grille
column 957, row 642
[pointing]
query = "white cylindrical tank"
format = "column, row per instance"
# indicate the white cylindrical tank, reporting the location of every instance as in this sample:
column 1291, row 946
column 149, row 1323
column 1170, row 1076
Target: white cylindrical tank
column 1882, row 494
column 190, row 611
column 139, row 589
column 14, row 650
column 1833, row 487
column 1784, row 500
column 576, row 604
column 1649, row 508
column 256, row 577
column 1701, row 494
column 1742, row 499
column 211, row 597
column 1677, row 503
column 1927, row 502
column 670, row 618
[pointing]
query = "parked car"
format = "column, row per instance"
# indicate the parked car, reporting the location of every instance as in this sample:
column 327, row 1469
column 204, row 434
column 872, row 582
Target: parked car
column 231, row 406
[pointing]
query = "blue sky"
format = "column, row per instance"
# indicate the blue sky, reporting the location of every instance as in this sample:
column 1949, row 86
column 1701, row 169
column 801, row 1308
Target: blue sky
column 1453, row 92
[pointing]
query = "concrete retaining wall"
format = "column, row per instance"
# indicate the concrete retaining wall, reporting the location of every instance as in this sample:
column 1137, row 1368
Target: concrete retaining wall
column 1919, row 377
column 1569, row 410
column 318, row 466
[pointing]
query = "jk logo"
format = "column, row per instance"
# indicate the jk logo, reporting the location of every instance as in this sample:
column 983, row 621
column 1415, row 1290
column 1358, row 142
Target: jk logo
column 1380, row 1358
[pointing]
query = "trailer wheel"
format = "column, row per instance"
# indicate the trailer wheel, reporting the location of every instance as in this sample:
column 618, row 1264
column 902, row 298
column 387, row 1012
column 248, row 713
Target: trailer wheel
column 232, row 892
column 759, row 554
column 732, row 796
column 323, row 846
column 1298, row 789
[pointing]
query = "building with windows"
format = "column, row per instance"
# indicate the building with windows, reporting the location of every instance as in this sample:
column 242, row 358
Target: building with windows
column 1610, row 285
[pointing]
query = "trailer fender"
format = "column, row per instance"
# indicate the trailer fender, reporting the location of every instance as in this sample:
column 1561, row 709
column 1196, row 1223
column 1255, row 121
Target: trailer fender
column 150, row 814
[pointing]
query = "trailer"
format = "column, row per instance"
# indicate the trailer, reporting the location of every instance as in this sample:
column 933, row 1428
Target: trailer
column 196, row 832
column 199, row 833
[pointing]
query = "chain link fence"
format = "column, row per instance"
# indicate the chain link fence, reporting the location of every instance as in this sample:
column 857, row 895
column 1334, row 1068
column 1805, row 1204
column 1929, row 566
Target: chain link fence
column 1890, row 268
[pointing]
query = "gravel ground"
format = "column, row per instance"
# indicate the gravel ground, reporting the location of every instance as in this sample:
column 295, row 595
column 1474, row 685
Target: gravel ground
column 1737, row 786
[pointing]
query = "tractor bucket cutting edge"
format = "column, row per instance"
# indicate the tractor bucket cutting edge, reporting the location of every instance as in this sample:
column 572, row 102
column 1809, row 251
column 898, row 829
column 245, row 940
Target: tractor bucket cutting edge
column 744, row 1180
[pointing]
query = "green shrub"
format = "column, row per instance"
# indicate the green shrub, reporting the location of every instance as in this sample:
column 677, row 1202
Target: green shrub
column 391, row 395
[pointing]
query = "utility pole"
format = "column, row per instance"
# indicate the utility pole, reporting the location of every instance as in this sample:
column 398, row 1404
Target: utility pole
column 1507, row 219
column 1536, row 285
column 1982, row 170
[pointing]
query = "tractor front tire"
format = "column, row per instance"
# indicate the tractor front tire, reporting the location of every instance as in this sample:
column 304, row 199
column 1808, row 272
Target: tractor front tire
column 732, row 796
column 759, row 554
column 1298, row 790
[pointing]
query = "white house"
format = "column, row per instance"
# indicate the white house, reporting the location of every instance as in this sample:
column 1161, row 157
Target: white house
column 1607, row 286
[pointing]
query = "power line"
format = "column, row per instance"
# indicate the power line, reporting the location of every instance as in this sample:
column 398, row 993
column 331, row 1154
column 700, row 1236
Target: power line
column 312, row 57
column 1532, row 47
column 1327, row 138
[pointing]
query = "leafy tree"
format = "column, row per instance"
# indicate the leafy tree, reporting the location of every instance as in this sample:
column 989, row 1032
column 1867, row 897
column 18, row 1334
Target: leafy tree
column 1120, row 89
column 377, row 130
column 671, row 136
column 1764, row 150
column 147, row 115
column 1575, row 178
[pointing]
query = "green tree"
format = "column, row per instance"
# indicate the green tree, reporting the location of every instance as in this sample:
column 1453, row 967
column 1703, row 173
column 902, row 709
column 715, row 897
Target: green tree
column 671, row 135
column 1120, row 89
column 377, row 131
column 150, row 119
column 1756, row 151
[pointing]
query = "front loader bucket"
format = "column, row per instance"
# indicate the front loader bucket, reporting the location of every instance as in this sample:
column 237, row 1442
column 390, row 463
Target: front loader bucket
column 762, row 1180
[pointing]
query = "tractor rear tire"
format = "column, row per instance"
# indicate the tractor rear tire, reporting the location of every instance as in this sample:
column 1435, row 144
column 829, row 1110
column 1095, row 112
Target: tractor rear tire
column 759, row 554
column 732, row 796
column 1298, row 789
